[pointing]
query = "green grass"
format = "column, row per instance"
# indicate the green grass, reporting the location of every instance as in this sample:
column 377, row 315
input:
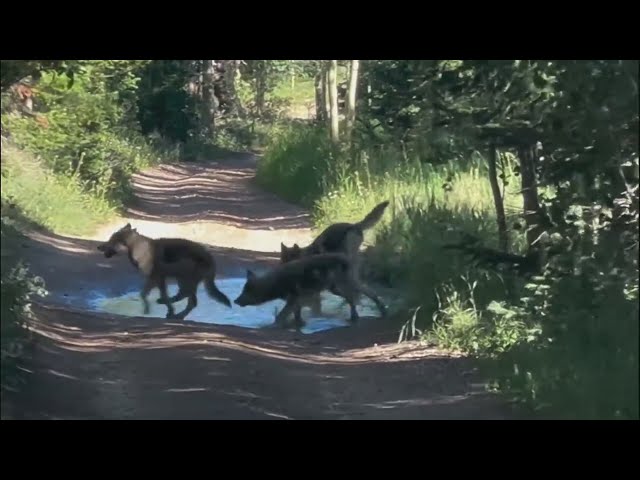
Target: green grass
column 54, row 201
column 430, row 207
column 296, row 164
column 301, row 92
column 539, row 340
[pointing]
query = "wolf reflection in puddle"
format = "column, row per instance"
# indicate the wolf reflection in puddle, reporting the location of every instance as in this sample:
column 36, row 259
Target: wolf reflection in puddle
column 335, row 310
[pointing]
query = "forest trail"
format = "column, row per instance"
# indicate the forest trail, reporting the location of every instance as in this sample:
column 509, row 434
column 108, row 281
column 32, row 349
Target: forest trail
column 89, row 365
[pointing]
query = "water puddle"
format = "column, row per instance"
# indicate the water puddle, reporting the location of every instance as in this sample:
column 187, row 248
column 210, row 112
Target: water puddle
column 335, row 312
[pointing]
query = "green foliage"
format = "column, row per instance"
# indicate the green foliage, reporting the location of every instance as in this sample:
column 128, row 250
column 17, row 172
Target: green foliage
column 165, row 107
column 564, row 340
column 298, row 96
column 87, row 128
column 489, row 331
column 430, row 207
column 15, row 70
column 18, row 288
column 297, row 163
column 56, row 201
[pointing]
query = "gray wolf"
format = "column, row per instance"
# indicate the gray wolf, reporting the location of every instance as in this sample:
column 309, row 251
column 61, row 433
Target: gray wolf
column 157, row 259
column 296, row 280
column 336, row 238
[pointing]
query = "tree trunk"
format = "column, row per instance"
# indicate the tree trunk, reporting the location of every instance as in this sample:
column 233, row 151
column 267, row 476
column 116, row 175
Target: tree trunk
column 231, row 74
column 321, row 106
column 325, row 89
column 209, row 100
column 261, row 87
column 503, row 236
column 528, row 161
column 333, row 101
column 351, row 97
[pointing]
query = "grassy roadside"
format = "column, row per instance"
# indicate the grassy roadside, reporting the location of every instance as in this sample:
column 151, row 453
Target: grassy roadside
column 560, row 366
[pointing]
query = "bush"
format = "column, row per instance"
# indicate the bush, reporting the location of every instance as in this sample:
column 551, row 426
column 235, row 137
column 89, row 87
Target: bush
column 297, row 163
column 87, row 131
column 564, row 342
column 18, row 287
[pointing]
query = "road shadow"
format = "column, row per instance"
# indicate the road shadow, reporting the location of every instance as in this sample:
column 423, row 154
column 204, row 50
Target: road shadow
column 108, row 368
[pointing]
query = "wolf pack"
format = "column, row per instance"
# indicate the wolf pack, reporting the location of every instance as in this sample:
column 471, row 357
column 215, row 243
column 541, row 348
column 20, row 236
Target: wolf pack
column 331, row 262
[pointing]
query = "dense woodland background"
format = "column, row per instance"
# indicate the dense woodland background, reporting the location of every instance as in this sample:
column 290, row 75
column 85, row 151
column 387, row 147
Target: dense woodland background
column 513, row 230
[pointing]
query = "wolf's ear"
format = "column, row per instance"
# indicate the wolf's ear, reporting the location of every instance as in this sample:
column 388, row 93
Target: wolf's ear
column 250, row 275
column 296, row 247
column 127, row 227
column 283, row 247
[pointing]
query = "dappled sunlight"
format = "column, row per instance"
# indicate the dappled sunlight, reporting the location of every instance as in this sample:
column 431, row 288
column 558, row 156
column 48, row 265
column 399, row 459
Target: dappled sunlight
column 187, row 390
column 62, row 375
column 117, row 363
column 137, row 367
column 166, row 335
column 187, row 194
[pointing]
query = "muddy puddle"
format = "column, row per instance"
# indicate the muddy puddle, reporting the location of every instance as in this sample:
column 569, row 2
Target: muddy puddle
column 335, row 312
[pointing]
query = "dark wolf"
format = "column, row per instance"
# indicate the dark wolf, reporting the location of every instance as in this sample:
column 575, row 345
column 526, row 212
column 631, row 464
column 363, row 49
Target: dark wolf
column 341, row 237
column 186, row 261
column 296, row 280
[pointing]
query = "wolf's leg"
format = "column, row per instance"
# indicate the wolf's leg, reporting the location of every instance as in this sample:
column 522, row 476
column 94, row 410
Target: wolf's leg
column 176, row 298
column 344, row 289
column 164, row 297
column 352, row 249
column 292, row 306
column 193, row 303
column 297, row 316
column 372, row 295
column 144, row 293
column 187, row 289
column 316, row 304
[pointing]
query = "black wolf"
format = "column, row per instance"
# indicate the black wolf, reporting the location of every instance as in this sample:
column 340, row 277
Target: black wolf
column 298, row 279
column 342, row 237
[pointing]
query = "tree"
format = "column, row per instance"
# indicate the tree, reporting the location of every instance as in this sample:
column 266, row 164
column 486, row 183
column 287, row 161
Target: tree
column 210, row 101
column 333, row 101
column 231, row 75
column 351, row 97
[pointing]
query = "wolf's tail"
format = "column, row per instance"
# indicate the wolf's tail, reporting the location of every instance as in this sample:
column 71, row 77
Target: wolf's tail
column 214, row 293
column 373, row 216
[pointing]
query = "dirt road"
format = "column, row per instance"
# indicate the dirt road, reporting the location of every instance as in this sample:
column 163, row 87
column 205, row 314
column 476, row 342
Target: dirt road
column 96, row 366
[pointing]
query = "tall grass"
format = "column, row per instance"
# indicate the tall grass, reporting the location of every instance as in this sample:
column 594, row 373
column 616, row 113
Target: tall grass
column 431, row 206
column 298, row 164
column 57, row 202
column 553, row 342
